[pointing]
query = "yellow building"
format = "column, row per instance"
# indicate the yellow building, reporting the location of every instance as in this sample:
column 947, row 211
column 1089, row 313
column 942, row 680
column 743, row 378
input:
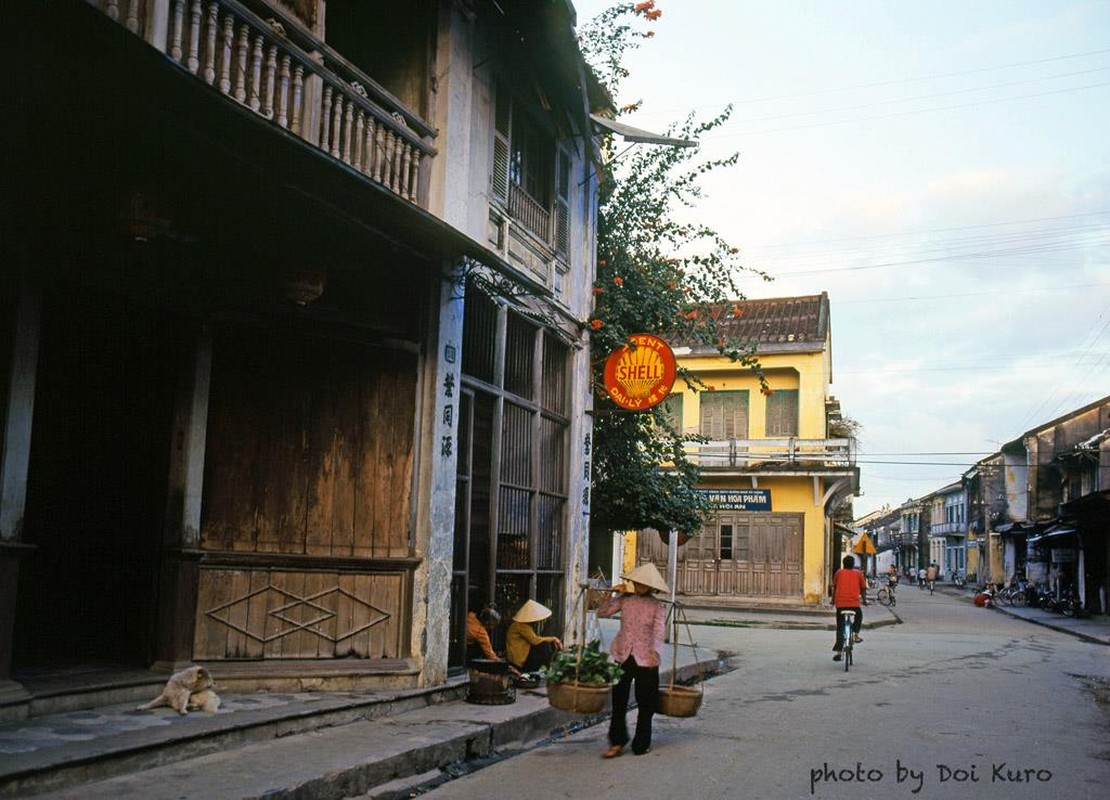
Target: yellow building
column 775, row 467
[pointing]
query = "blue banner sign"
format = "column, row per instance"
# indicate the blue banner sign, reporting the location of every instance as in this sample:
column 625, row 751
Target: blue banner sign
column 739, row 499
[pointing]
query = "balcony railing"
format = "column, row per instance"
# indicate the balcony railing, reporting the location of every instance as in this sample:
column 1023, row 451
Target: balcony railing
column 284, row 74
column 735, row 453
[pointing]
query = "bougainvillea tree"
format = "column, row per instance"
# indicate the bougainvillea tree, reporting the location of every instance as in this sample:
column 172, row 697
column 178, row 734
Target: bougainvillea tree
column 659, row 271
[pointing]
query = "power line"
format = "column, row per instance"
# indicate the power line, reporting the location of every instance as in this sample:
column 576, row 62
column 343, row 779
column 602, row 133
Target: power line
column 991, row 292
column 947, row 229
column 955, row 107
column 932, row 96
column 921, row 78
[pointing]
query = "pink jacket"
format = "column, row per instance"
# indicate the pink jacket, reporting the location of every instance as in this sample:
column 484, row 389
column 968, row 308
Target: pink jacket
column 643, row 619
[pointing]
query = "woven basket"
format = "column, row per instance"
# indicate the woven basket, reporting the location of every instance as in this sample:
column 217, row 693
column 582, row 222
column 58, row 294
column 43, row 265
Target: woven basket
column 577, row 697
column 679, row 701
column 596, row 596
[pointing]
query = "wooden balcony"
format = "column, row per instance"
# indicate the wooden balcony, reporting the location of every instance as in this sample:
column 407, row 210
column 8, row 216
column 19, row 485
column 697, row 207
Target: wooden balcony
column 757, row 454
column 256, row 55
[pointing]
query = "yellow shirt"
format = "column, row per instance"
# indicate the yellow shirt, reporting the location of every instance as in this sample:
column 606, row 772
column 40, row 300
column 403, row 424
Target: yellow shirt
column 519, row 639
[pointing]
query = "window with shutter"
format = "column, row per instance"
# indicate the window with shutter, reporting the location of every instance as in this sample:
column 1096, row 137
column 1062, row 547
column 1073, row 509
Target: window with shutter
column 724, row 415
column 672, row 409
column 530, row 176
column 499, row 179
column 782, row 413
column 562, row 200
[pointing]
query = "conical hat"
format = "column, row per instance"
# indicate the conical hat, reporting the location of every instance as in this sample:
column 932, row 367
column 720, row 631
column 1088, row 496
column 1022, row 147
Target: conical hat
column 647, row 575
column 531, row 612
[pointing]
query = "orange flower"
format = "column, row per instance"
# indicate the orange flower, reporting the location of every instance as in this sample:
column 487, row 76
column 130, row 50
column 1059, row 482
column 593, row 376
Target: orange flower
column 618, row 280
column 653, row 15
column 766, row 392
column 595, row 324
column 598, row 290
column 645, row 6
column 737, row 311
column 691, row 314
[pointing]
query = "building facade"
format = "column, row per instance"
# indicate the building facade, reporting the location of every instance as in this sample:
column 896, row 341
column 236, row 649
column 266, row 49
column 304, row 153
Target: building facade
column 1036, row 510
column 775, row 472
column 292, row 357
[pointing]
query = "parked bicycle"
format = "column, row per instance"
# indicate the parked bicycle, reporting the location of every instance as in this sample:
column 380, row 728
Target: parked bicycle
column 959, row 579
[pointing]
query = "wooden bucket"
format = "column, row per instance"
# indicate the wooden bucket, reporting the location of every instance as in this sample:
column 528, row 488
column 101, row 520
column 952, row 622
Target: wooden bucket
column 577, row 697
column 491, row 683
column 679, row 701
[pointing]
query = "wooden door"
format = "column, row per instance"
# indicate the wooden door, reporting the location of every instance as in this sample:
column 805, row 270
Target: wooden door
column 736, row 555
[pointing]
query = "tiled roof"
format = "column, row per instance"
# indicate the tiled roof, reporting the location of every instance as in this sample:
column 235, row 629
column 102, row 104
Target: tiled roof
column 790, row 322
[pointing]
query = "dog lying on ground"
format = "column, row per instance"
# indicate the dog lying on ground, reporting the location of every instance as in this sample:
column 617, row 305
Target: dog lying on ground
column 188, row 690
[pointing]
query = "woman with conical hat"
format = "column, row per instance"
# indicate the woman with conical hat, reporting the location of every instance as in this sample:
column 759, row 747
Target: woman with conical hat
column 638, row 648
column 524, row 648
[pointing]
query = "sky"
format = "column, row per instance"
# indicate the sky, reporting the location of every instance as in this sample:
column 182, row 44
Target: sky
column 942, row 171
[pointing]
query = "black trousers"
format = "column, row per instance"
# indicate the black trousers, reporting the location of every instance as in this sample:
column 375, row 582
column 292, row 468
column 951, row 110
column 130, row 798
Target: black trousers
column 539, row 656
column 647, row 699
column 857, row 624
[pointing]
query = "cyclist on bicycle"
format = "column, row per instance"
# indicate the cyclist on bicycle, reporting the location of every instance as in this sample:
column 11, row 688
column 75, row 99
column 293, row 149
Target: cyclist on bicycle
column 849, row 594
column 931, row 575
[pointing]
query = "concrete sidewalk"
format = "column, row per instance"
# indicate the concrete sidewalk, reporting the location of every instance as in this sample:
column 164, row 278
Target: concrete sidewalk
column 1094, row 628
column 285, row 745
column 327, row 745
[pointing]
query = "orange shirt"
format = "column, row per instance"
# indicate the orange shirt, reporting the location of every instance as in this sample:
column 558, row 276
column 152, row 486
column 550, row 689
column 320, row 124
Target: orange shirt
column 848, row 585
column 476, row 634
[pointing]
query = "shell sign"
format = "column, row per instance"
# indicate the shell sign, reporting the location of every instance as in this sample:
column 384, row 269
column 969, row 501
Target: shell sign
column 640, row 374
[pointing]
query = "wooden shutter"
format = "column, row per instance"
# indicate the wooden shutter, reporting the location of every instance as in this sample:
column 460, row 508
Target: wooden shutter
column 724, row 415
column 499, row 177
column 562, row 200
column 782, row 413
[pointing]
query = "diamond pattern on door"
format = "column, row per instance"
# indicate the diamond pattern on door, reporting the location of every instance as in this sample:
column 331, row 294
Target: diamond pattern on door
column 295, row 613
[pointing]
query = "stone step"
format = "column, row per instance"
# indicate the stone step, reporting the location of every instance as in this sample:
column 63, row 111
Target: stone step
column 375, row 757
column 117, row 739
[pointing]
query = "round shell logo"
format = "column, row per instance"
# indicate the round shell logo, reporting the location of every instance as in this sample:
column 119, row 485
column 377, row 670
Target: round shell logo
column 640, row 374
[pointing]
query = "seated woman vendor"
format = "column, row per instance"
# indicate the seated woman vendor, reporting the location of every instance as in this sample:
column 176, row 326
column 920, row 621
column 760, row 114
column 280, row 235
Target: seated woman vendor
column 478, row 627
column 526, row 649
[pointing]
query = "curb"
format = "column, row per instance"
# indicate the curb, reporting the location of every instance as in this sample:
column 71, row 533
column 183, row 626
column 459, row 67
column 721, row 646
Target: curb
column 1086, row 637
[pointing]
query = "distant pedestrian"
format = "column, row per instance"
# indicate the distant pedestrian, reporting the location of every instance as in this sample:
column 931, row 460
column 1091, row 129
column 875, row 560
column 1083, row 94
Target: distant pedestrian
column 638, row 648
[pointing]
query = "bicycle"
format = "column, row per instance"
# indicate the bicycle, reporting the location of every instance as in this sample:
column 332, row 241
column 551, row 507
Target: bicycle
column 886, row 596
column 959, row 579
column 847, row 621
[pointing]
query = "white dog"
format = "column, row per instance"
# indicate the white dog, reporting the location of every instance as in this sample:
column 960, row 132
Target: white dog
column 190, row 689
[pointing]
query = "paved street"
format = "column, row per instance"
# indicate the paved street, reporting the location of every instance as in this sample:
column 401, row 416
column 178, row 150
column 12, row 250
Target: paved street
column 956, row 702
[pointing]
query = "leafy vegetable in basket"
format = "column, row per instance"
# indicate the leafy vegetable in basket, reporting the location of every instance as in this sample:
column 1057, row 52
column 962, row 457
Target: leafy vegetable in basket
column 595, row 668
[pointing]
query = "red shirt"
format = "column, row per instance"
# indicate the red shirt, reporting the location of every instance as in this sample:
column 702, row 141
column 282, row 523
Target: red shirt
column 848, row 585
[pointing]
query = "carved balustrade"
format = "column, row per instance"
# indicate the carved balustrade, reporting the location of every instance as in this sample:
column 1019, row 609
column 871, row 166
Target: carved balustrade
column 258, row 56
